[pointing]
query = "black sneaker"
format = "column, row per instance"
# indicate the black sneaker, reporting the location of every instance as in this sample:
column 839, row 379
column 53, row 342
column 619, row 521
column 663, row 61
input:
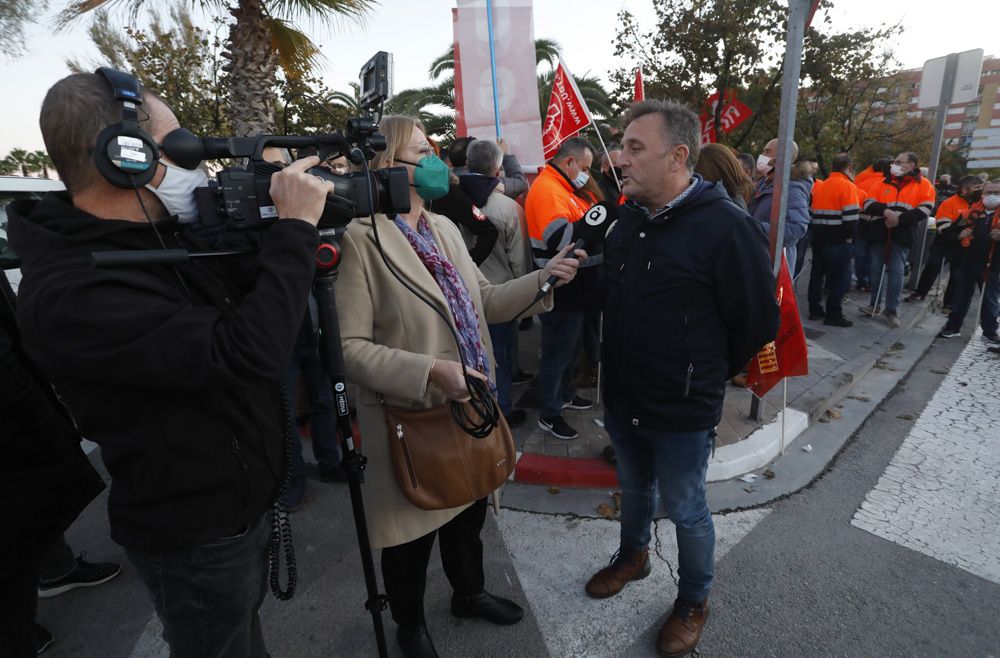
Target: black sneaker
column 817, row 314
column 516, row 418
column 949, row 333
column 557, row 427
column 578, row 403
column 43, row 639
column 993, row 350
column 992, row 338
column 915, row 297
column 838, row 322
column 521, row 377
column 86, row 574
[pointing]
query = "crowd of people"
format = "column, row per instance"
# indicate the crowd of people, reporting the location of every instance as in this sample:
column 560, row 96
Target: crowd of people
column 176, row 370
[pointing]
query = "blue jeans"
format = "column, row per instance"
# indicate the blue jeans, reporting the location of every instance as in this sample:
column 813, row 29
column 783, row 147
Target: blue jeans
column 676, row 462
column 322, row 418
column 893, row 283
column 208, row 597
column 560, row 334
column 504, row 338
column 831, row 267
column 991, row 304
column 862, row 261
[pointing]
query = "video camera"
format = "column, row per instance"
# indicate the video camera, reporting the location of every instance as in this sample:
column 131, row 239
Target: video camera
column 239, row 198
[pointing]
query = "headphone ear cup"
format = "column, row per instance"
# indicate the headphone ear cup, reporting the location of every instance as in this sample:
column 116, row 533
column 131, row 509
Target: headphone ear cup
column 126, row 158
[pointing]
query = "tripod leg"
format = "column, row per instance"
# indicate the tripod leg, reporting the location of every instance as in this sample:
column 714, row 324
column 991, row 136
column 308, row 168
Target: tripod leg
column 332, row 356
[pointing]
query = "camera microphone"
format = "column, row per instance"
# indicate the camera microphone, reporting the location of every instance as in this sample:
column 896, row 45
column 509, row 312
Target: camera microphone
column 588, row 231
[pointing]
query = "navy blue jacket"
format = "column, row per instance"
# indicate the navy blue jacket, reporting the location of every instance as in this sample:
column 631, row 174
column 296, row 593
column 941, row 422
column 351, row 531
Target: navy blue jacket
column 689, row 300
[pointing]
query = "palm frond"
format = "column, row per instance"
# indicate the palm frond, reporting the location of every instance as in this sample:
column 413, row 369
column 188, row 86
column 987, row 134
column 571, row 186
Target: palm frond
column 296, row 51
column 443, row 62
column 327, row 12
column 546, row 50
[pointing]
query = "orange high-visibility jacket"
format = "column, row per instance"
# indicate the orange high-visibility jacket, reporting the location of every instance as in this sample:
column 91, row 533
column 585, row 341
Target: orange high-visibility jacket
column 550, row 209
column 834, row 211
column 912, row 195
column 949, row 211
column 866, row 175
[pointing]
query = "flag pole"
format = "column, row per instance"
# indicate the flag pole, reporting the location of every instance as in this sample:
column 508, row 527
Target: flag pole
column 784, row 408
column 493, row 67
column 605, row 149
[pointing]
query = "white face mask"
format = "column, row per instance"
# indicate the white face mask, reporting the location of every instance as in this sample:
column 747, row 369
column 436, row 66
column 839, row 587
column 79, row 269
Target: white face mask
column 763, row 164
column 176, row 191
column 991, row 201
column 897, row 170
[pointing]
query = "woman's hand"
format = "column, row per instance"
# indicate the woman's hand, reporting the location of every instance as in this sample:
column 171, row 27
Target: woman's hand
column 562, row 266
column 447, row 375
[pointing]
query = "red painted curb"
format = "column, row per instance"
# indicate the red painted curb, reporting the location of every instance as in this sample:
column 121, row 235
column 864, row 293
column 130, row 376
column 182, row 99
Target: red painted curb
column 565, row 471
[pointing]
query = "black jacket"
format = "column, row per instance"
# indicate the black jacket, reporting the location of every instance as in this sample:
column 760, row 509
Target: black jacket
column 178, row 387
column 690, row 299
column 45, row 479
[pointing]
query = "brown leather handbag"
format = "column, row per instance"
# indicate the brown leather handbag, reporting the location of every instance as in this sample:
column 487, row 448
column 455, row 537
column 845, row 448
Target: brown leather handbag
column 438, row 465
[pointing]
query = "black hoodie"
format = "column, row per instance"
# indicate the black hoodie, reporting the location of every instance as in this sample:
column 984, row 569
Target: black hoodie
column 179, row 387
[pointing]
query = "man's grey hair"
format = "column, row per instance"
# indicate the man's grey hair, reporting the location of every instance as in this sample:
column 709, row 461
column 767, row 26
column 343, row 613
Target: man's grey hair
column 681, row 125
column 484, row 156
column 575, row 147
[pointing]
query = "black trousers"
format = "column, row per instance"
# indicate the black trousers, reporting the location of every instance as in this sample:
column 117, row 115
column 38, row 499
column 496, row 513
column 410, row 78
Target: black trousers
column 404, row 567
column 18, row 607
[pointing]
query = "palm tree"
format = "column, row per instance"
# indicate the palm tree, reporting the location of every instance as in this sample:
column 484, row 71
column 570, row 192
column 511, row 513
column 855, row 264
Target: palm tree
column 42, row 162
column 594, row 94
column 546, row 51
column 262, row 38
column 7, row 167
column 351, row 102
column 19, row 157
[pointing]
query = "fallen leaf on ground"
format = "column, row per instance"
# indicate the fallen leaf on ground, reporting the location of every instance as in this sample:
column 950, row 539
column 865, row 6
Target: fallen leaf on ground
column 553, row 490
column 860, row 398
column 768, row 473
column 939, row 371
column 749, row 477
column 905, row 416
column 834, row 414
column 807, row 448
column 606, row 511
column 824, row 419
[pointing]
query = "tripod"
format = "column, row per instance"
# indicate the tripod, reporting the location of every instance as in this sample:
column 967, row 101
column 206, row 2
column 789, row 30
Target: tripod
column 332, row 357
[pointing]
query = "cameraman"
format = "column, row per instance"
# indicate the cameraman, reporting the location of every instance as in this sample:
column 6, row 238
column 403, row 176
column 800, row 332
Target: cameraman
column 173, row 370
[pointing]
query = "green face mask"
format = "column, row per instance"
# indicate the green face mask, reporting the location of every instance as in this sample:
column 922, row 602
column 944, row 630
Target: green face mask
column 430, row 177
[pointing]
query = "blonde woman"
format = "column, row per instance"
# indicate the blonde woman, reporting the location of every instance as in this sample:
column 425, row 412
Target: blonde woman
column 397, row 347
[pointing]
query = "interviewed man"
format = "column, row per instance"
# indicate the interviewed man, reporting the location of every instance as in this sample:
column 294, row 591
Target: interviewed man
column 173, row 370
column 690, row 298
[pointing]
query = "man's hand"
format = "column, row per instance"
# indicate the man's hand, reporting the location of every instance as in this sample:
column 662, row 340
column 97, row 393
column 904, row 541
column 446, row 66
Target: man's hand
column 447, row 375
column 562, row 266
column 995, row 234
column 891, row 218
column 503, row 145
column 298, row 195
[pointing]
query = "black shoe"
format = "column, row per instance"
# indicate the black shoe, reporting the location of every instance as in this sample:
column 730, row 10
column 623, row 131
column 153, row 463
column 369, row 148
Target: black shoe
column 521, row 377
column 915, row 297
column 993, row 338
column 516, row 418
column 86, row 574
column 486, row 606
column 838, row 322
column 557, row 427
column 816, row 314
column 43, row 639
column 609, row 455
column 949, row 333
column 993, row 350
column 415, row 642
column 578, row 403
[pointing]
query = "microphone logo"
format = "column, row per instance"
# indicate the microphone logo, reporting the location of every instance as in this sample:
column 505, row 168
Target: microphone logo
column 596, row 215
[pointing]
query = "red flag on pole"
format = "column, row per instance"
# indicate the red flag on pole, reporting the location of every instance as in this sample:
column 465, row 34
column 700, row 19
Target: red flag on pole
column 567, row 114
column 640, row 91
column 787, row 355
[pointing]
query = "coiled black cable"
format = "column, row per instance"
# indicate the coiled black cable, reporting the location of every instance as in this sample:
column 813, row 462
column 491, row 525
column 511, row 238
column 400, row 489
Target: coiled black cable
column 485, row 416
column 281, row 529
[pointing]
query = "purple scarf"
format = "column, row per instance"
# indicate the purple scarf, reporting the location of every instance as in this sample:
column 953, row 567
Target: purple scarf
column 455, row 292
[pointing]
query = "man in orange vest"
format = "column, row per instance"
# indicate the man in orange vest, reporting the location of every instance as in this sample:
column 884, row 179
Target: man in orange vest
column 891, row 208
column 553, row 205
column 862, row 249
column 970, row 190
column 833, row 217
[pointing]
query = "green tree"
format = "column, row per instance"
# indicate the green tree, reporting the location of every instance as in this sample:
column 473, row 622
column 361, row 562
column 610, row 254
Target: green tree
column 20, row 158
column 262, row 38
column 8, row 167
column 14, row 14
column 42, row 162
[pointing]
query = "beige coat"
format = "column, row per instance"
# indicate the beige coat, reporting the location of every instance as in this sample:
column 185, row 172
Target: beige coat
column 390, row 340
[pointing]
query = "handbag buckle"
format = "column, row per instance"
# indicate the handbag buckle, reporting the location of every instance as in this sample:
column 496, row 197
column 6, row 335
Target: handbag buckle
column 399, row 431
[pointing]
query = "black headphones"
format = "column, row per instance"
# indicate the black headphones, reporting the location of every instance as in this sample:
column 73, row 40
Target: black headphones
column 125, row 154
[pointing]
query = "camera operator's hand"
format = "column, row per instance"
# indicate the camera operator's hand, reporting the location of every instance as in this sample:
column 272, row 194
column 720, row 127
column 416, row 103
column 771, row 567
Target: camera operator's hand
column 447, row 375
column 299, row 195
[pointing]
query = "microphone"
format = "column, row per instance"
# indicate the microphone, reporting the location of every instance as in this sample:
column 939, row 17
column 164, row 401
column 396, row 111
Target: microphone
column 589, row 232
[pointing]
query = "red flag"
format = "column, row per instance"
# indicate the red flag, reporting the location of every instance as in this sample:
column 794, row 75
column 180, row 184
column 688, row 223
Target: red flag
column 567, row 114
column 787, row 355
column 734, row 113
column 640, row 91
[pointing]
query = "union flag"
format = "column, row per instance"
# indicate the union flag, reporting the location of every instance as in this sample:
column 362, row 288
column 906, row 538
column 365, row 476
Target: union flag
column 787, row 354
column 567, row 114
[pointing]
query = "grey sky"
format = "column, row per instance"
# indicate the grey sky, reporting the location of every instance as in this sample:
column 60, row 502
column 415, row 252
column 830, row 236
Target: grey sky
column 416, row 31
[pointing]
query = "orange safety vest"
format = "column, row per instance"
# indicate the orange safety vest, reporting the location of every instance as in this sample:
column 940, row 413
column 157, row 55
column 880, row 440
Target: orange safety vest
column 865, row 176
column 914, row 193
column 950, row 209
column 835, row 201
column 550, row 208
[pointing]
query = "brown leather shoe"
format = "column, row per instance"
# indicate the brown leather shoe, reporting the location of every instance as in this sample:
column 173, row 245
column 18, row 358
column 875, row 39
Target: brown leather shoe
column 623, row 568
column 681, row 631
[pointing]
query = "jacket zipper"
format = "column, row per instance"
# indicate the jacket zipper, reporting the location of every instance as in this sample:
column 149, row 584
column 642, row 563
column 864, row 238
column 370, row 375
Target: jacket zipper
column 690, row 368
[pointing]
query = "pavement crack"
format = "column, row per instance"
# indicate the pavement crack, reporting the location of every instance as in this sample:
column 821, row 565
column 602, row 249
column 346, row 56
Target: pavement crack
column 657, row 550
